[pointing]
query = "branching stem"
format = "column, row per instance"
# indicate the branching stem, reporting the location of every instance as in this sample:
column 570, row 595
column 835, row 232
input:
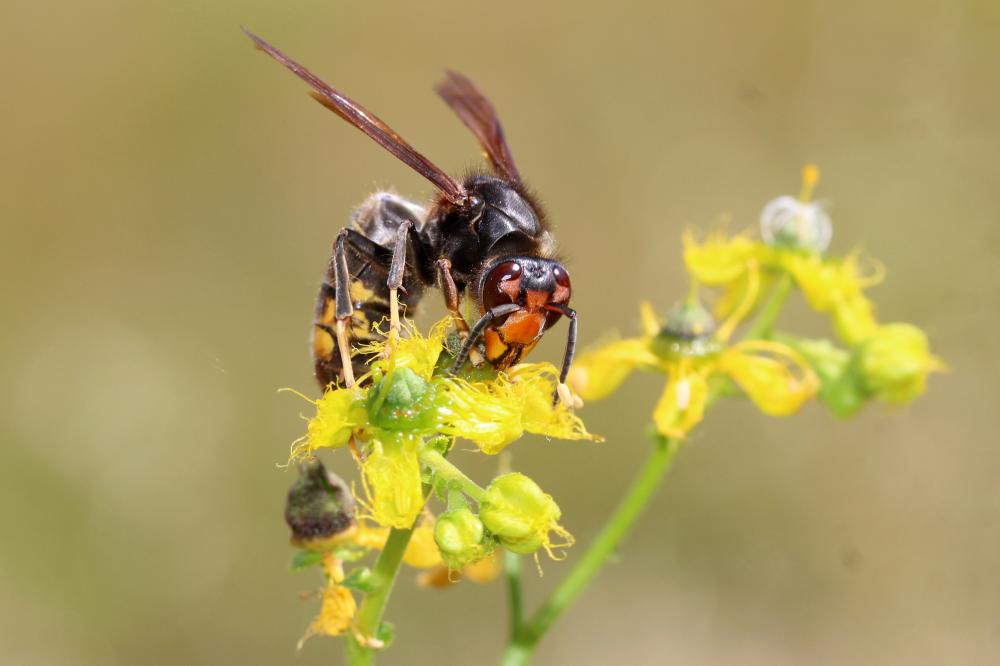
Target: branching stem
column 522, row 647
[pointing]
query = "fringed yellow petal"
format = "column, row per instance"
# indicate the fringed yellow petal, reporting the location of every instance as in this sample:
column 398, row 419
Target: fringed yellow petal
column 535, row 382
column 439, row 577
column 485, row 570
column 682, row 405
column 749, row 291
column 854, row 320
column 391, row 475
column 338, row 609
column 412, row 350
column 338, row 413
column 422, row 552
column 494, row 413
column 596, row 373
column 482, row 572
column 719, row 260
column 837, row 286
column 371, row 537
column 651, row 324
column 774, row 376
column 828, row 282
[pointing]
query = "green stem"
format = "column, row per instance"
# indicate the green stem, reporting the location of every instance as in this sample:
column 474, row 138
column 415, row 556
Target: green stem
column 453, row 475
column 369, row 616
column 764, row 324
column 520, row 650
column 512, row 572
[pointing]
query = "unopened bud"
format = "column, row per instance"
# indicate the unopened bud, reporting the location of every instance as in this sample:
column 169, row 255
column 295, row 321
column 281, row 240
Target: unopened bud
column 519, row 514
column 459, row 536
column 894, row 363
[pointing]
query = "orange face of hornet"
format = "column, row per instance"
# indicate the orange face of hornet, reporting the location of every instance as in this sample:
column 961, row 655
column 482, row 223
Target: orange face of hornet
column 541, row 288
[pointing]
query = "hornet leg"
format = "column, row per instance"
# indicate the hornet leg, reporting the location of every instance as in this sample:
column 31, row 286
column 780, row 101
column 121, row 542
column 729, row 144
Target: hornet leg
column 562, row 391
column 395, row 282
column 450, row 291
column 344, row 307
column 477, row 332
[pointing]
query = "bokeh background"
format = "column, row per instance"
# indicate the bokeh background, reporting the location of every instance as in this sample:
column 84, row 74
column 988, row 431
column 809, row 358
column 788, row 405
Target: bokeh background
column 169, row 200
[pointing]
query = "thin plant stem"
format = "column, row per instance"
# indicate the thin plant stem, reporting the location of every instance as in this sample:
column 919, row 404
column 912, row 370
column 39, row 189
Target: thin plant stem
column 764, row 324
column 369, row 616
column 453, row 475
column 521, row 649
column 512, row 572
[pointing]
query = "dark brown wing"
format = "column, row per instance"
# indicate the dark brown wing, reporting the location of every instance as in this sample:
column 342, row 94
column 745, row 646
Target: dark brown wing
column 367, row 122
column 478, row 114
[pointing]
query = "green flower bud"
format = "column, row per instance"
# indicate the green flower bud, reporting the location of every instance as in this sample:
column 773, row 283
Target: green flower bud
column 319, row 506
column 687, row 332
column 894, row 363
column 459, row 537
column 520, row 515
column 840, row 389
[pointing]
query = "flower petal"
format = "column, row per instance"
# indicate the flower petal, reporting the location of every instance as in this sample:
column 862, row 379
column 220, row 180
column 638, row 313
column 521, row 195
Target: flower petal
column 719, row 260
column 774, row 376
column 682, row 405
column 338, row 413
column 494, row 413
column 598, row 372
column 338, row 609
column 392, row 480
column 854, row 319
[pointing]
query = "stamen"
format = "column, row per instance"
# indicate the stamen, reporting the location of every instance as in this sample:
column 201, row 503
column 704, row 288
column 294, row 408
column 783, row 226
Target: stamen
column 810, row 177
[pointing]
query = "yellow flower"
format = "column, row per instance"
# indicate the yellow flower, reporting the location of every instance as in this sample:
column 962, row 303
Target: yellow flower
column 690, row 353
column 336, row 615
column 492, row 414
column 596, row 374
column 854, row 319
column 836, row 286
column 420, row 553
column 719, row 260
column 481, row 572
column 406, row 398
column 392, row 480
column 682, row 404
column 796, row 232
column 337, row 611
column 408, row 394
column 338, row 414
column 774, row 376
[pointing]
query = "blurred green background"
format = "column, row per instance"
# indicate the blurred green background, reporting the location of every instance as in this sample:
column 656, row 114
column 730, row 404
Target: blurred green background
column 169, row 200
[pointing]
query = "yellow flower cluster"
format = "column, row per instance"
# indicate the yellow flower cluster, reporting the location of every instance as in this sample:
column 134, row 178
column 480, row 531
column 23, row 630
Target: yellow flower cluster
column 832, row 285
column 322, row 514
column 886, row 362
column 774, row 376
column 399, row 420
column 406, row 398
